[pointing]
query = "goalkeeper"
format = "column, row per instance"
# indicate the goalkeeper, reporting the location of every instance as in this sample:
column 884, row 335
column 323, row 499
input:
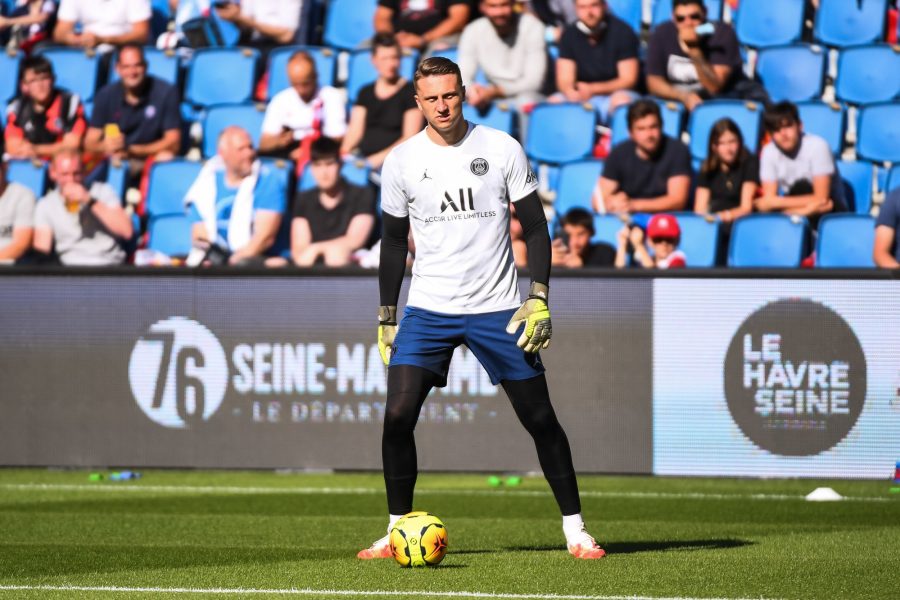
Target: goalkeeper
column 453, row 182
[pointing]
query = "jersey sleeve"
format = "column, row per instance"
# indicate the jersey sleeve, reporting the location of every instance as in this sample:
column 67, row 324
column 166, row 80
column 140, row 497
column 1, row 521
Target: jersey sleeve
column 393, row 193
column 520, row 177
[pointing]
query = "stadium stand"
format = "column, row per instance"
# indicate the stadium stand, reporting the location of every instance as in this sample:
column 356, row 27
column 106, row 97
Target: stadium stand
column 747, row 115
column 868, row 74
column 349, row 23
column 168, row 227
column 362, row 71
column 845, row 241
column 9, row 76
column 499, row 115
column 892, row 180
column 759, row 25
column 76, row 70
column 575, row 185
column 842, row 23
column 630, row 11
column 220, row 76
column 794, row 73
column 879, row 132
column 857, row 178
column 606, row 228
column 30, row 173
column 699, row 239
column 325, row 59
column 672, row 116
column 560, row 133
column 767, row 240
column 217, row 118
column 828, row 121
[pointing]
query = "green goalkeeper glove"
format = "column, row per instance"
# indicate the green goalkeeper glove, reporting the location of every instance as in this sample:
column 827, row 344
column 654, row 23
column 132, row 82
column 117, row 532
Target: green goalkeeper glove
column 387, row 330
column 535, row 313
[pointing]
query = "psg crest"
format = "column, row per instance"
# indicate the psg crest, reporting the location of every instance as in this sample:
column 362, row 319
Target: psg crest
column 479, row 166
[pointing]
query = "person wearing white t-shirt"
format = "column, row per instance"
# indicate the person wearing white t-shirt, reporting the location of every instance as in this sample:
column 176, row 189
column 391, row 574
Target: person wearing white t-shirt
column 265, row 23
column 301, row 113
column 103, row 24
column 453, row 183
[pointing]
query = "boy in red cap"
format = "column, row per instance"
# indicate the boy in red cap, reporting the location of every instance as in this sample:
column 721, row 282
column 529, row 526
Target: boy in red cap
column 663, row 236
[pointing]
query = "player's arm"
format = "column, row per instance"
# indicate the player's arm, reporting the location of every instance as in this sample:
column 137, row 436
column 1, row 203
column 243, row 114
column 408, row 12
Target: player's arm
column 534, row 312
column 391, row 268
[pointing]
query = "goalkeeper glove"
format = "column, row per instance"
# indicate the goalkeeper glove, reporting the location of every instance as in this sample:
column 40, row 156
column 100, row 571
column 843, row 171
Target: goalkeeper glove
column 387, row 330
column 535, row 313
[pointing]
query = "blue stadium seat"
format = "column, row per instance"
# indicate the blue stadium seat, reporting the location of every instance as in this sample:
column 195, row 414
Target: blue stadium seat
column 168, row 227
column 325, row 59
column 792, row 73
column 662, row 11
column 699, row 239
column 857, row 179
column 9, row 77
column 892, row 181
column 355, row 172
column 629, row 11
column 878, row 132
column 767, row 240
column 349, row 23
column 760, row 25
column 500, row 115
column 248, row 116
column 76, row 70
column 575, row 186
column 362, row 71
column 560, row 133
column 117, row 177
column 606, row 228
column 845, row 241
column 828, row 121
column 220, row 76
column 672, row 116
column 162, row 64
column 31, row 174
column 843, row 23
column 747, row 115
column 868, row 74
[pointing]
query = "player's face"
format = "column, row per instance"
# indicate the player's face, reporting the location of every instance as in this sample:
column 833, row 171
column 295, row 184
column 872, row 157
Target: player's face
column 302, row 75
column 590, row 12
column 727, row 147
column 131, row 68
column 440, row 99
column 579, row 238
column 387, row 62
column 37, row 86
column 498, row 12
column 326, row 172
column 646, row 133
column 787, row 137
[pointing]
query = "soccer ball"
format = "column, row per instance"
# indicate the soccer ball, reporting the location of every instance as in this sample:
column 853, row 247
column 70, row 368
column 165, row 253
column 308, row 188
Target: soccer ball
column 418, row 539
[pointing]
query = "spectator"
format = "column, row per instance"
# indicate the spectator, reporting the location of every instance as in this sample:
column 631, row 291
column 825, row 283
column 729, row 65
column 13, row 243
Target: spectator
column 796, row 169
column 16, row 218
column 104, row 25
column 575, row 250
column 235, row 204
column 648, row 173
column 335, row 218
column 729, row 177
column 509, row 49
column 385, row 112
column 44, row 119
column 264, row 24
column 29, row 24
column 662, row 252
column 690, row 59
column 424, row 25
column 886, row 253
column 554, row 14
column 137, row 118
column 598, row 59
column 301, row 113
column 83, row 226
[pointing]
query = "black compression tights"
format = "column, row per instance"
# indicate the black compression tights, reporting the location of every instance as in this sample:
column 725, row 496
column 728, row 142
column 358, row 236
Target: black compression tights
column 408, row 386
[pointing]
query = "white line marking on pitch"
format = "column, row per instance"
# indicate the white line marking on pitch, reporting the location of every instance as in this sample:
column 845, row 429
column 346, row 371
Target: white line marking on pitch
column 225, row 489
column 311, row 592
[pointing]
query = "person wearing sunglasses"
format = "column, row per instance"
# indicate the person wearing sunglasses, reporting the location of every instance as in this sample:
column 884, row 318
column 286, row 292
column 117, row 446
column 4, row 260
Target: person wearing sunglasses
column 690, row 59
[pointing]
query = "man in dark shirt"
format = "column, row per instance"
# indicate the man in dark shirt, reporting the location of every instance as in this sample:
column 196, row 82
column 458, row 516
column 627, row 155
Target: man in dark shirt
column 575, row 250
column 136, row 118
column 335, row 218
column 44, row 119
column 690, row 59
column 598, row 59
column 648, row 173
column 424, row 25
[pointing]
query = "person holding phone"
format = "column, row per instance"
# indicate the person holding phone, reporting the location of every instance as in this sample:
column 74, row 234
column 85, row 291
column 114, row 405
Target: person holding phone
column 690, row 59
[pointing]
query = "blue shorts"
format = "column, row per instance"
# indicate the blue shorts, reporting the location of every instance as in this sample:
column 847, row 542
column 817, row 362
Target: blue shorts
column 427, row 339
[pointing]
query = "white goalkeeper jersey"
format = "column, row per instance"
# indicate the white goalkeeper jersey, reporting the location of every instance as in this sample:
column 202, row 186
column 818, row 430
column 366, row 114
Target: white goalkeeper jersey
column 457, row 199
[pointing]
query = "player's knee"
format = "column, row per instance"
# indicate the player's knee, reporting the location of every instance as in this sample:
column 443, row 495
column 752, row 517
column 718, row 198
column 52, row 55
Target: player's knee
column 399, row 420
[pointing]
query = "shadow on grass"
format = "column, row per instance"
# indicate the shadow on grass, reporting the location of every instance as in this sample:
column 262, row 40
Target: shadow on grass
column 650, row 546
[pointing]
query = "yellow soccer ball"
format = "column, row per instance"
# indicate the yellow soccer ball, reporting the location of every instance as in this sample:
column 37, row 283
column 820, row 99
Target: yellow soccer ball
column 418, row 539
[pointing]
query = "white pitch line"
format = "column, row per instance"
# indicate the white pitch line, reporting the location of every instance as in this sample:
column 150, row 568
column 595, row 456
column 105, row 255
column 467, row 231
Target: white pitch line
column 312, row 592
column 223, row 489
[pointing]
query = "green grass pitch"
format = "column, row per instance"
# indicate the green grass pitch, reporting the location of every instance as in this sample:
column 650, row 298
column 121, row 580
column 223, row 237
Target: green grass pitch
column 226, row 534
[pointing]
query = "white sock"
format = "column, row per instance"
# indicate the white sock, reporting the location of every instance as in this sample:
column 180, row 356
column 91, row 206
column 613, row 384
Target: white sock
column 572, row 524
column 392, row 519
